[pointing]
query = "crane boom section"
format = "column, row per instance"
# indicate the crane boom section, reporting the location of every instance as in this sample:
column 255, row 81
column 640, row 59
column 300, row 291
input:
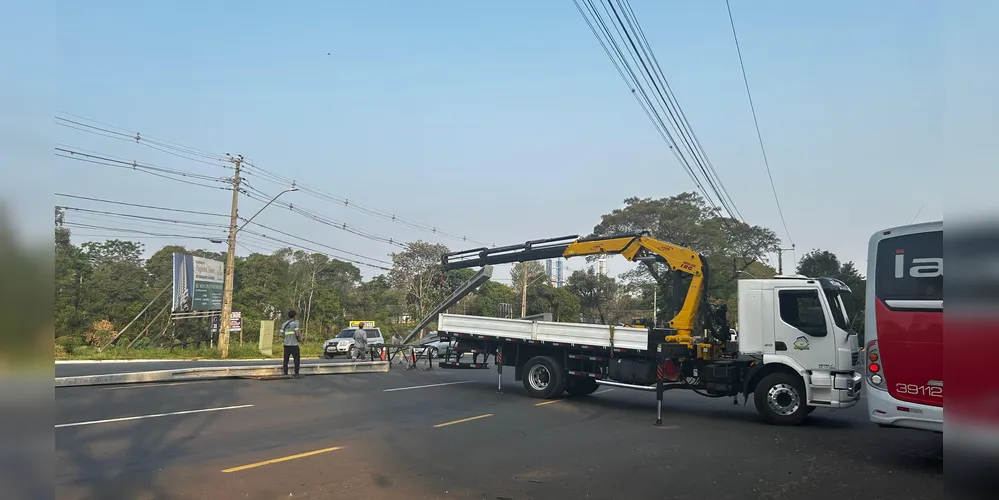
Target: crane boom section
column 635, row 247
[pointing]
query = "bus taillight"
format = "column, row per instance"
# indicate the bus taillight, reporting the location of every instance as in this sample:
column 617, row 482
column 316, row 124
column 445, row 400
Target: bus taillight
column 875, row 376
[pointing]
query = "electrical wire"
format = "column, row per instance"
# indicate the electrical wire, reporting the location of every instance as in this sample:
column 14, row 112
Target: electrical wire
column 316, row 243
column 655, row 96
column 143, row 217
column 201, row 224
column 139, row 205
column 174, row 149
column 254, row 170
column 139, row 167
column 756, row 122
column 650, row 79
column 187, row 152
column 257, row 195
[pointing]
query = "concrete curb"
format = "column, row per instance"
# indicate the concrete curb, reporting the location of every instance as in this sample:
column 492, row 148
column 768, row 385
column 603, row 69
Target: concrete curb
column 186, row 360
column 219, row 372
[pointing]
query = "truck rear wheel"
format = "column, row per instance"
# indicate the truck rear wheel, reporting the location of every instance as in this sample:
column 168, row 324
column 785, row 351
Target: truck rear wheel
column 581, row 386
column 544, row 377
column 780, row 399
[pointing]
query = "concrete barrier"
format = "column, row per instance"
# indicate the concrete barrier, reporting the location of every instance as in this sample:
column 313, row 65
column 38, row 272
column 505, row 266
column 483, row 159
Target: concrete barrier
column 219, row 372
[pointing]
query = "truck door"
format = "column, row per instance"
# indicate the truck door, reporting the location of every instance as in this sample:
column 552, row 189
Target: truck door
column 802, row 329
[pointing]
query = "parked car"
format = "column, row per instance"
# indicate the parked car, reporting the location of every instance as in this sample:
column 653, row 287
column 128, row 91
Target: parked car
column 432, row 345
column 343, row 342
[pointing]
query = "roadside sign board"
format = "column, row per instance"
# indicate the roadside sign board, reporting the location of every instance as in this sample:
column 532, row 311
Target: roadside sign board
column 197, row 283
column 236, row 321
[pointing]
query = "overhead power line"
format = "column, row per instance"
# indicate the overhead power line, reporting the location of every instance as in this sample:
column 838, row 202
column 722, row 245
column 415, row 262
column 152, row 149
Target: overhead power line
column 139, row 205
column 82, row 123
column 143, row 217
column 166, row 173
column 756, row 122
column 255, row 223
column 257, row 195
column 218, row 236
column 113, row 132
column 253, row 170
column 649, row 86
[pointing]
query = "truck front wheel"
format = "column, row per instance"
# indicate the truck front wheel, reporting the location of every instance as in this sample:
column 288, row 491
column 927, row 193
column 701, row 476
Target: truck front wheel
column 780, row 399
column 544, row 377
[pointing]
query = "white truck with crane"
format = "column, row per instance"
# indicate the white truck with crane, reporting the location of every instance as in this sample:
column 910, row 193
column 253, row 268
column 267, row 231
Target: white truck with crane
column 795, row 350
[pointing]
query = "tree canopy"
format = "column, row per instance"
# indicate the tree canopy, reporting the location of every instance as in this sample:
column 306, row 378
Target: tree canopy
column 732, row 248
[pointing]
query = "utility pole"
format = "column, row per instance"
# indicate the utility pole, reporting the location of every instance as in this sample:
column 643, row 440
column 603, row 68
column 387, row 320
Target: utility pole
column 780, row 258
column 523, row 291
column 230, row 262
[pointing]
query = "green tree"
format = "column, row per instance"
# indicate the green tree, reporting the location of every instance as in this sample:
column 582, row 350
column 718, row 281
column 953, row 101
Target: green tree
column 488, row 300
column 71, row 268
column 536, row 278
column 731, row 247
column 376, row 300
column 417, row 273
column 561, row 303
column 116, row 286
column 597, row 294
column 825, row 264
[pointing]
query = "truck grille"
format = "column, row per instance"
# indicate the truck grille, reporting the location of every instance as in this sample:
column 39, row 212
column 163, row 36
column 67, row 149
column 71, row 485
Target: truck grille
column 855, row 357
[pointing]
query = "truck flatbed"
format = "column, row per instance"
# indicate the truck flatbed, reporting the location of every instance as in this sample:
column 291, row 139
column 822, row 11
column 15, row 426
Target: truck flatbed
column 580, row 335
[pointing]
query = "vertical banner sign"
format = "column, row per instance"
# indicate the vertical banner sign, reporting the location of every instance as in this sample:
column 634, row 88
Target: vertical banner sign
column 236, row 321
column 197, row 283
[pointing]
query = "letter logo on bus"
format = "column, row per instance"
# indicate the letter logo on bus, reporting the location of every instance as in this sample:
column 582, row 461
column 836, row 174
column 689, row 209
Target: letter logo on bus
column 929, row 267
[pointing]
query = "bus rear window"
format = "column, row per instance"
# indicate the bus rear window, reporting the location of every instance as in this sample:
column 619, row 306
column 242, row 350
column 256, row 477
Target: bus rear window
column 910, row 267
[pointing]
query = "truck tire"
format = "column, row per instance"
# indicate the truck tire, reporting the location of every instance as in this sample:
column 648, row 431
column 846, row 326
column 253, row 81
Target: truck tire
column 581, row 386
column 780, row 399
column 544, row 377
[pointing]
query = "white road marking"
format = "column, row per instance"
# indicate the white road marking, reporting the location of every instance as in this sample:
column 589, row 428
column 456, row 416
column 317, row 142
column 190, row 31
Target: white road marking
column 425, row 386
column 137, row 417
column 603, row 391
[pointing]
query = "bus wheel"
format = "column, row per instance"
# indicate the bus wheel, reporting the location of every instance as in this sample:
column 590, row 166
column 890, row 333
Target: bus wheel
column 780, row 399
column 544, row 377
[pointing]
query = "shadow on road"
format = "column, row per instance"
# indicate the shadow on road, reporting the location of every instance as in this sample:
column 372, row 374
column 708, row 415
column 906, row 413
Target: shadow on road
column 124, row 459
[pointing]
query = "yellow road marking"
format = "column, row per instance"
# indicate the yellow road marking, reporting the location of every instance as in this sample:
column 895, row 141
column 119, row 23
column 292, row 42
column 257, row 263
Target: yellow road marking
column 282, row 459
column 548, row 402
column 603, row 391
column 469, row 419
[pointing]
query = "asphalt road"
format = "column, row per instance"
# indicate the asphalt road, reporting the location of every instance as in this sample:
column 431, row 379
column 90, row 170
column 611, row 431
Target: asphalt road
column 369, row 437
column 105, row 367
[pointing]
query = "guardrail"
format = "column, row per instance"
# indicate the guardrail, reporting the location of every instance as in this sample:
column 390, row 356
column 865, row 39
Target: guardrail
column 219, row 372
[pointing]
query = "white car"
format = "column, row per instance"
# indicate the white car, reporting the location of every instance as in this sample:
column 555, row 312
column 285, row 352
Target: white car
column 432, row 345
column 343, row 343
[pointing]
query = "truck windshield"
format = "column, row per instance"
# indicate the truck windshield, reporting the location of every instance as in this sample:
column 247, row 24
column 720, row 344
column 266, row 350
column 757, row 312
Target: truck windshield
column 838, row 310
column 346, row 334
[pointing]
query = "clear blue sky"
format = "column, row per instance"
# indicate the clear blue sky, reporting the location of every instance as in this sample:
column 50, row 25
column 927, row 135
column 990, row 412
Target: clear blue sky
column 504, row 121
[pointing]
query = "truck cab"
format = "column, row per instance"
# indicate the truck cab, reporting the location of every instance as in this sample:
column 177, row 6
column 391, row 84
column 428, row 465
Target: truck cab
column 799, row 325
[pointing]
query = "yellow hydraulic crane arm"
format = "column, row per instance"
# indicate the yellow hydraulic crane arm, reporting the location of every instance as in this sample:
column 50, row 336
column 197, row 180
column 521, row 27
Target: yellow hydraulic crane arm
column 634, row 247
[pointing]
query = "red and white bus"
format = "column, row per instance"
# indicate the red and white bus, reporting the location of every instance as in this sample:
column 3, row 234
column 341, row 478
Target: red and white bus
column 904, row 327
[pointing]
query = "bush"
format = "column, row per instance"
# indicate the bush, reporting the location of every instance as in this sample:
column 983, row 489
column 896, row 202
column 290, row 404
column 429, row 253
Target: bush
column 100, row 333
column 68, row 344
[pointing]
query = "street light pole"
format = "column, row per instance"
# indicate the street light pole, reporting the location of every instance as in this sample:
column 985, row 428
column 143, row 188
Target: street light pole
column 231, row 258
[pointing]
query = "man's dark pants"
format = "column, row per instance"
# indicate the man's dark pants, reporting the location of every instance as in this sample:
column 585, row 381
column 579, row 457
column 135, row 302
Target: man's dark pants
column 294, row 351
